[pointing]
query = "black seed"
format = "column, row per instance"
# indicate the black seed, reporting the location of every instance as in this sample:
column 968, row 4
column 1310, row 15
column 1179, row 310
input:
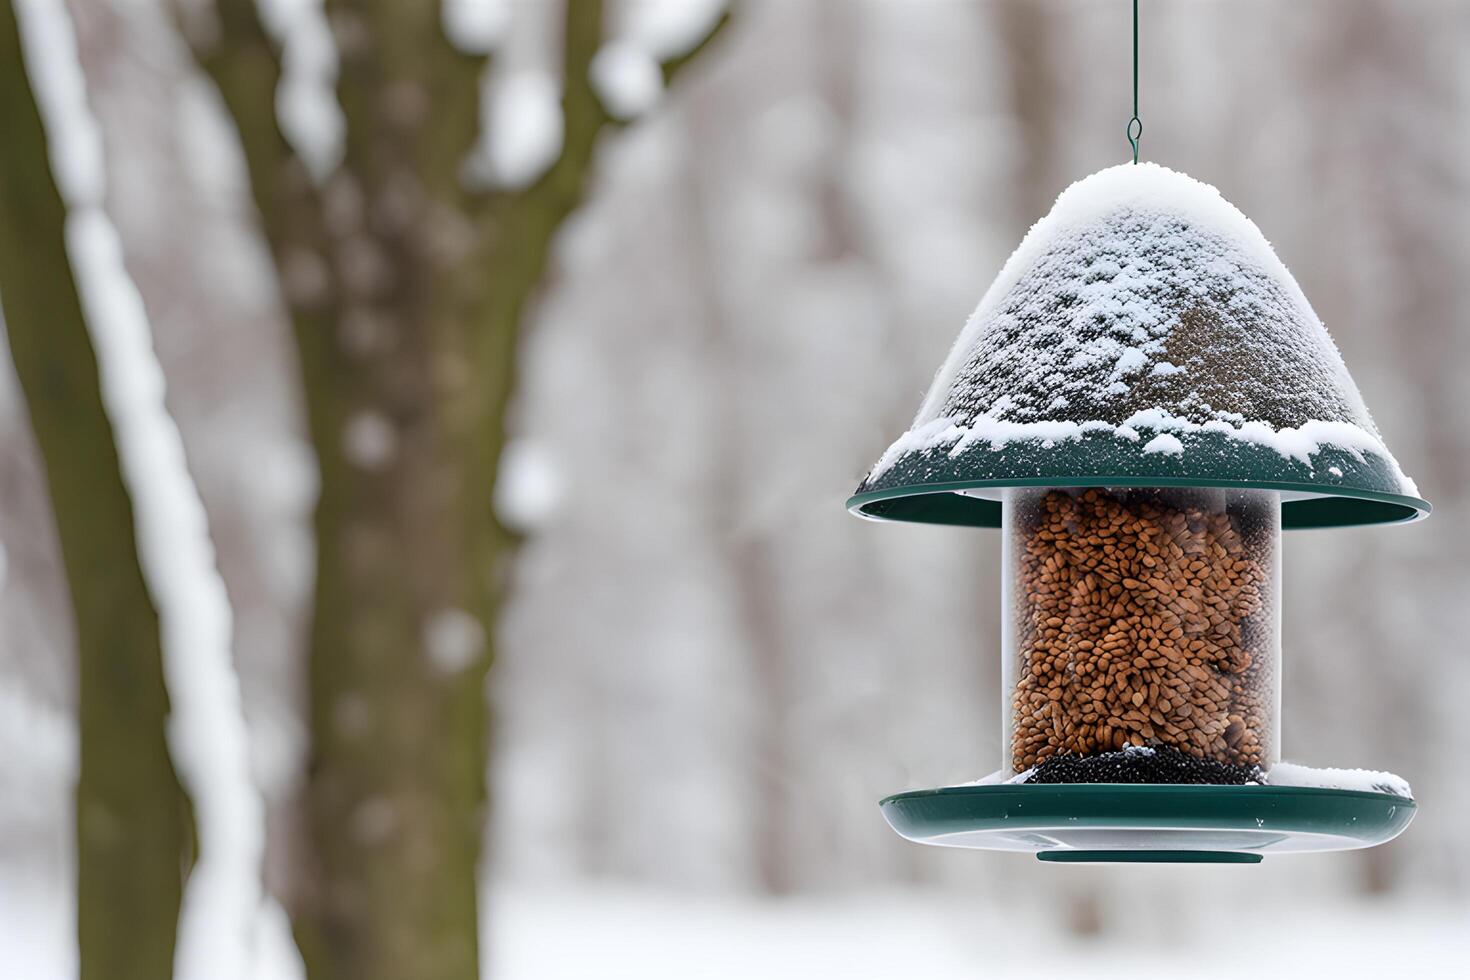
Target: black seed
column 1158, row 764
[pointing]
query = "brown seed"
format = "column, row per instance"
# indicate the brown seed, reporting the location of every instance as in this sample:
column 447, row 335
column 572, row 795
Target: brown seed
column 1135, row 621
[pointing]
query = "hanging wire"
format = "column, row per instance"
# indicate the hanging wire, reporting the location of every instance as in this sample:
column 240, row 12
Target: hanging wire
column 1135, row 125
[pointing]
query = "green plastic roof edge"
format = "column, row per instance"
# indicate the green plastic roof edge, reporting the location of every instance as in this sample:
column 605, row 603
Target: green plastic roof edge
column 940, row 504
column 1340, row 488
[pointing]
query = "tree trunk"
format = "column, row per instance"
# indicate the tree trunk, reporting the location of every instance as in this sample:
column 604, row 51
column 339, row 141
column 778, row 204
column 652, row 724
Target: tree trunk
column 133, row 828
column 406, row 292
column 1027, row 29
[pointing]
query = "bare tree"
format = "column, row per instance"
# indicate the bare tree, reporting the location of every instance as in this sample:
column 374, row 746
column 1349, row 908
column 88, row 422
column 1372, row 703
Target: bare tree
column 223, row 345
column 133, row 828
column 406, row 289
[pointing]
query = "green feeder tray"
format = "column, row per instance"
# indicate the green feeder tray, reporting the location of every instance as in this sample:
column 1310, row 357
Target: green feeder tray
column 1148, row 823
column 1144, row 334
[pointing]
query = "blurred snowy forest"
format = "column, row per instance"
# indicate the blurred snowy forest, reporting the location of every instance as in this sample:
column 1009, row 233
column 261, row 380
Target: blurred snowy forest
column 706, row 673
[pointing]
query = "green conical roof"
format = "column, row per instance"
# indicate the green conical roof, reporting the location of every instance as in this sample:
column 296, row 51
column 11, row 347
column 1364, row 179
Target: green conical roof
column 1143, row 334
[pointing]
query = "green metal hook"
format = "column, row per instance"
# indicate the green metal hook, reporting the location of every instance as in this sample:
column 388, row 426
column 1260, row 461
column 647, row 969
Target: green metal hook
column 1135, row 125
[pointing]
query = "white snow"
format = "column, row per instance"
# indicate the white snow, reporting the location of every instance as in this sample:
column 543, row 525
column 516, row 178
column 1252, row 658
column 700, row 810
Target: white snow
column 1307, row 439
column 37, row 926
column 1000, row 777
column 1121, row 288
column 453, row 639
column 1164, row 443
column 225, row 923
column 521, row 134
column 529, row 487
column 1131, row 361
column 628, row 80
column 665, row 28
column 1364, row 780
column 1301, row 443
column 1160, row 921
column 1086, row 329
column 998, row 432
column 306, row 99
column 626, row 71
column 625, row 932
column 936, row 432
column 75, row 143
column 475, row 26
column 40, row 745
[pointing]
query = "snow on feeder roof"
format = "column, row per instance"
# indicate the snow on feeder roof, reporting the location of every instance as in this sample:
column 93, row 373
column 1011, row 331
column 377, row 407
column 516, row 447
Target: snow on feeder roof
column 1143, row 334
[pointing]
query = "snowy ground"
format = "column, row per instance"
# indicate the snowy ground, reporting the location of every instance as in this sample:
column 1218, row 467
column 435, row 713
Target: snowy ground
column 617, row 932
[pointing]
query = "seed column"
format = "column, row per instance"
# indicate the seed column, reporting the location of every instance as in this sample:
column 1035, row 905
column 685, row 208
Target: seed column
column 1142, row 618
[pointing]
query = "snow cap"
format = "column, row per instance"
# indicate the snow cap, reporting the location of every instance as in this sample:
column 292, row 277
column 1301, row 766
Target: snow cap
column 1143, row 334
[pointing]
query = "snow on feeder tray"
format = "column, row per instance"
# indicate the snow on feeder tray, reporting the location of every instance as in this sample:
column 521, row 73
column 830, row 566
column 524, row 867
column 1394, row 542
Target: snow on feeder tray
column 1143, row 400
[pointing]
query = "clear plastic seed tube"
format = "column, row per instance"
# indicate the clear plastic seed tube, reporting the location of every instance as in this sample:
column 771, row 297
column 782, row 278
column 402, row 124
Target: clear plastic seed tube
column 1142, row 617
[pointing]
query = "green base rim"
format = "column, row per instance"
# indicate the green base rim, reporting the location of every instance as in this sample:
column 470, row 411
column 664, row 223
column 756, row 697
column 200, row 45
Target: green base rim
column 1309, row 818
column 943, row 503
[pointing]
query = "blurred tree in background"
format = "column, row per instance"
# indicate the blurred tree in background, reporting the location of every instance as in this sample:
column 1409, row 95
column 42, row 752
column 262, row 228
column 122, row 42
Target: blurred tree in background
column 405, row 284
column 406, row 280
column 133, row 829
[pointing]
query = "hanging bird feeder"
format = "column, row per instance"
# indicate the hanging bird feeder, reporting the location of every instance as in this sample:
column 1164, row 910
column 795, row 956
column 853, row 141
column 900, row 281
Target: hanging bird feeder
column 1141, row 403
